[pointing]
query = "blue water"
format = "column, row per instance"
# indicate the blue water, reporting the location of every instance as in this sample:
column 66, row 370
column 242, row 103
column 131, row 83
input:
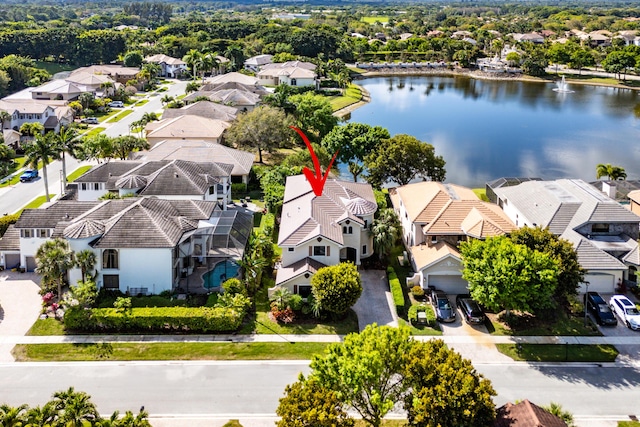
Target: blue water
column 221, row 272
column 489, row 129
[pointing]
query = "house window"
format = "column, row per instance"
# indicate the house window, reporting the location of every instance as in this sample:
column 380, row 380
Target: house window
column 304, row 290
column 43, row 233
column 347, row 230
column 111, row 281
column 294, row 82
column 212, row 190
column 434, row 239
column 366, row 223
column 600, row 228
column 83, row 186
column 26, row 233
column 110, row 259
column 96, row 186
column 364, row 249
column 290, row 249
column 319, row 250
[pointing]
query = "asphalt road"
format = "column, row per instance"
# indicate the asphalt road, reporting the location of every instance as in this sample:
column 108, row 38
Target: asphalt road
column 251, row 388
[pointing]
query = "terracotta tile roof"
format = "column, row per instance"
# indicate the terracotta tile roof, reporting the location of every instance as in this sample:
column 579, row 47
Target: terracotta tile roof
column 186, row 127
column 424, row 256
column 306, row 216
column 526, row 414
column 233, row 77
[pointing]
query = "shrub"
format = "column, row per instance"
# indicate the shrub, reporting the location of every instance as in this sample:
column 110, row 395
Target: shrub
column 412, row 314
column 153, row 320
column 212, row 300
column 396, row 290
column 7, row 220
column 234, row 286
column 417, row 292
column 238, row 189
column 296, row 302
column 285, row 316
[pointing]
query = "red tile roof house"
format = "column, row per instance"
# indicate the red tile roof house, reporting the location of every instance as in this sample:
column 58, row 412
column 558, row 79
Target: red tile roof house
column 526, row 414
column 319, row 231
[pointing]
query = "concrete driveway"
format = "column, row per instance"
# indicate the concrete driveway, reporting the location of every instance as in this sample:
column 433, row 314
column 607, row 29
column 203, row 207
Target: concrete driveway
column 20, row 305
column 627, row 352
column 376, row 303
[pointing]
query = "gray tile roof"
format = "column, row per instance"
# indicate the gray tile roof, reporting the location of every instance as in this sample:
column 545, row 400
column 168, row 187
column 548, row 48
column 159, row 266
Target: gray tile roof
column 10, row 240
column 208, row 109
column 298, row 268
column 63, row 210
column 104, row 171
column 589, row 256
column 306, row 216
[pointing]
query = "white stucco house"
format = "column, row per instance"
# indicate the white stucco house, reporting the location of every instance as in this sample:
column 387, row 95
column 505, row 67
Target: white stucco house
column 169, row 66
column 163, row 179
column 319, row 231
column 435, row 218
column 255, row 63
column 51, row 114
column 292, row 73
column 603, row 232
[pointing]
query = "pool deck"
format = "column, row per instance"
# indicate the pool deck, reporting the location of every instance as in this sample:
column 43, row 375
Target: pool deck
column 194, row 283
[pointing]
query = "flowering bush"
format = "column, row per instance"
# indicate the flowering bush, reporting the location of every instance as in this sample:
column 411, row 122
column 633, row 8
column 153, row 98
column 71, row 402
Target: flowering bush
column 285, row 316
column 47, row 298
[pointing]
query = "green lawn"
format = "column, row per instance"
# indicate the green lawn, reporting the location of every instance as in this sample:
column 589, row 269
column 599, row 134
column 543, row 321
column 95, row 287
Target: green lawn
column 481, row 193
column 120, row 116
column 628, row 423
column 53, row 67
column 351, row 95
column 141, row 103
column 49, row 326
column 559, row 352
column 564, row 325
column 77, row 173
column 94, row 131
column 264, row 325
column 167, row 351
column 37, row 202
column 373, row 19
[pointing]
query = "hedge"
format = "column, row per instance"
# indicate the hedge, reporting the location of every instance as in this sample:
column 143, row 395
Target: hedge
column 7, row 220
column 412, row 314
column 396, row 290
column 152, row 319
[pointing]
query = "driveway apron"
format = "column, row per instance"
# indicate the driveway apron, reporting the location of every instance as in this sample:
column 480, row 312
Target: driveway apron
column 20, row 305
column 376, row 303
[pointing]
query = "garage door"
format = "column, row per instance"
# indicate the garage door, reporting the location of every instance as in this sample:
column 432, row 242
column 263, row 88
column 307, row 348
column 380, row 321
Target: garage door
column 450, row 283
column 11, row 260
column 603, row 283
column 31, row 263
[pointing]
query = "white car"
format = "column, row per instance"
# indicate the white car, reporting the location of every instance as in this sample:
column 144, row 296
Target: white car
column 626, row 311
column 116, row 104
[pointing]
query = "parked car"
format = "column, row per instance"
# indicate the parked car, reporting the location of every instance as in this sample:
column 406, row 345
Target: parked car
column 626, row 311
column 442, row 307
column 29, row 175
column 471, row 311
column 599, row 309
column 116, row 104
column 90, row 120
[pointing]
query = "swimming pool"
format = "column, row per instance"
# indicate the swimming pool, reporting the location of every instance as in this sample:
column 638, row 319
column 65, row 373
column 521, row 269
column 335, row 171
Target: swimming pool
column 221, row 271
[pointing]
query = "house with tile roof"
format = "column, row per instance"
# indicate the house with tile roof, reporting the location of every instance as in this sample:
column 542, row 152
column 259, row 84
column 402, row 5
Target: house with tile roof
column 435, row 218
column 202, row 151
column 163, row 179
column 169, row 66
column 51, row 114
column 255, row 63
column 292, row 73
column 207, row 109
column 319, row 231
column 526, row 414
column 233, row 77
column 142, row 245
column 186, row 127
column 603, row 232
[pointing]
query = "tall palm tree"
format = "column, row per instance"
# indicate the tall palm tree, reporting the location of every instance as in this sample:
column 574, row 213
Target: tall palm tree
column 32, row 128
column 53, row 259
column 75, row 408
column 385, row 230
column 66, row 142
column 613, row 172
column 253, row 266
column 44, row 150
column 4, row 118
column 86, row 262
column 192, row 59
column 12, row 416
column 44, row 416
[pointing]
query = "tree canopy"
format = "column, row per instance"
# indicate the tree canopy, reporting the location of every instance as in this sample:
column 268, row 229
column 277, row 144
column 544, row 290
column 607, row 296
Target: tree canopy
column 354, row 141
column 402, row 159
column 337, row 287
column 314, row 115
column 505, row 275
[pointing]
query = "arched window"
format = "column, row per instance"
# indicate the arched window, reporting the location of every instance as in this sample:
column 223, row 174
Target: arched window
column 110, row 259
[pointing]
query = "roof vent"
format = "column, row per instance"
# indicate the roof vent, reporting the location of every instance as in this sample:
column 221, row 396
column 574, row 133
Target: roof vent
column 177, row 176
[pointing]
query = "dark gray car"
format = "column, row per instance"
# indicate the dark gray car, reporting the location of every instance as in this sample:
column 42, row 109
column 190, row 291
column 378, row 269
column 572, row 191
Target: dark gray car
column 442, row 306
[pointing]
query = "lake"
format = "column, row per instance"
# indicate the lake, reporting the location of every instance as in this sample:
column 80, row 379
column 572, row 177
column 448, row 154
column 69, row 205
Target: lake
column 486, row 129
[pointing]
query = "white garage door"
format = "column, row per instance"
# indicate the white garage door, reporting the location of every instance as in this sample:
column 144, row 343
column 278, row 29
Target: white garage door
column 451, row 284
column 603, row 283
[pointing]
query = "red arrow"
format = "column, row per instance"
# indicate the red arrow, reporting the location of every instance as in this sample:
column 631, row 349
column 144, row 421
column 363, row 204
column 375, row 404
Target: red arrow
column 317, row 181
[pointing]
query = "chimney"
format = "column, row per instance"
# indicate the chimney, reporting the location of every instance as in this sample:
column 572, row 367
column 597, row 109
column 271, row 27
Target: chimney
column 609, row 188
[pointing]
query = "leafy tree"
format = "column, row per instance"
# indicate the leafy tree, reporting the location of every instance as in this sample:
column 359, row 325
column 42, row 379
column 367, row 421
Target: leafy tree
column 354, row 141
column 53, row 259
column 581, row 58
column 314, row 115
column 618, row 62
column 132, row 59
column 262, row 129
column 337, row 287
column 613, row 172
column 505, row 275
column 570, row 273
column 96, row 147
column 123, row 145
column 535, row 63
column 86, row 262
column 272, row 182
column 44, row 150
column 366, row 370
column 85, row 293
column 5, row 117
column 386, row 230
column 444, row 389
column 308, row 403
column 558, row 53
column 86, row 98
column 234, row 286
column 253, row 267
column 66, row 142
column 280, row 98
column 402, row 159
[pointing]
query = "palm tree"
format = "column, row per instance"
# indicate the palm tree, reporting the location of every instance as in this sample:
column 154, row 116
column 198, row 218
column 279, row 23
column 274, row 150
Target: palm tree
column 4, row 118
column 253, row 266
column 85, row 99
column 105, row 86
column 192, row 59
column 42, row 416
column 44, row 150
column 385, row 230
column 613, row 172
column 66, row 142
column 281, row 297
column 75, row 408
column 53, row 259
column 166, row 99
column 86, row 262
column 12, row 416
column 32, row 128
